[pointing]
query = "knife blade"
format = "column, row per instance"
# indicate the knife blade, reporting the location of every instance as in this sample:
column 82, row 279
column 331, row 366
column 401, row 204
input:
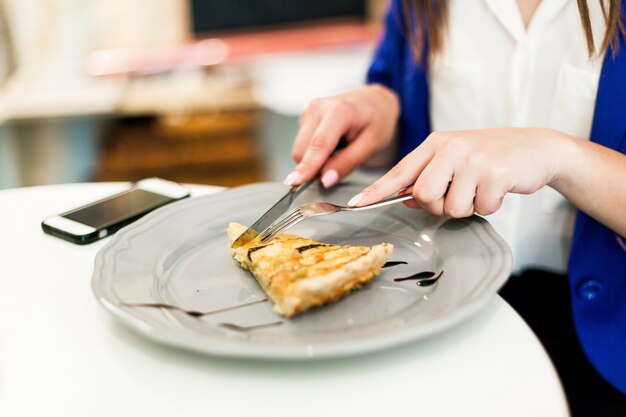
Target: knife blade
column 280, row 207
column 271, row 215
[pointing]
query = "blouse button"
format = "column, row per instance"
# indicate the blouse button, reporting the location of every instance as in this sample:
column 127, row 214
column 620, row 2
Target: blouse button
column 589, row 289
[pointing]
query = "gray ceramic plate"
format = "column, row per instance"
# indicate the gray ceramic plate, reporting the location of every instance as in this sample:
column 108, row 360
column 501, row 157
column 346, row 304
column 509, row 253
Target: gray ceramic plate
column 179, row 255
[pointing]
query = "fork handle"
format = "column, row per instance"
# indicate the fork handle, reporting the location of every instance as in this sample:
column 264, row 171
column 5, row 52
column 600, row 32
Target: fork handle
column 391, row 200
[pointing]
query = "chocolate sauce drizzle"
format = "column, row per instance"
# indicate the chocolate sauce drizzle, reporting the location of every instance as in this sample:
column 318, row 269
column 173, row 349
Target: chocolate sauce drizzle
column 311, row 246
column 423, row 279
column 198, row 314
column 236, row 327
column 389, row 264
column 194, row 313
column 254, row 249
column 419, row 275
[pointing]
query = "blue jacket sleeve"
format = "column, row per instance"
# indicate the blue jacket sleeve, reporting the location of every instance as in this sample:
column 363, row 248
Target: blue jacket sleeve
column 388, row 51
column 395, row 67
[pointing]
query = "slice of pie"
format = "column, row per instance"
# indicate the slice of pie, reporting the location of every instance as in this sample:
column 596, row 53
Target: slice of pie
column 298, row 273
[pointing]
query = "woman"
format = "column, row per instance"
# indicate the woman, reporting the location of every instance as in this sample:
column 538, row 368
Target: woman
column 493, row 98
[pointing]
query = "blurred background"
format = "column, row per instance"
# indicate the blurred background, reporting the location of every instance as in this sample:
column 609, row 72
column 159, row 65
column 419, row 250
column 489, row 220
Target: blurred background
column 197, row 91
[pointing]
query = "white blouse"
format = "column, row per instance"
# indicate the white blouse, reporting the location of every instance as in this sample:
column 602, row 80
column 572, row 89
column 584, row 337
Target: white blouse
column 494, row 72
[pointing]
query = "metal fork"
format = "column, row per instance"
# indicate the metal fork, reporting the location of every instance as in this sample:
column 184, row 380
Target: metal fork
column 320, row 208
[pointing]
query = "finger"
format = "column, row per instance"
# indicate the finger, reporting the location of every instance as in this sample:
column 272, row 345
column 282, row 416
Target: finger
column 308, row 123
column 323, row 142
column 432, row 184
column 345, row 161
column 489, row 198
column 404, row 173
column 409, row 203
column 459, row 198
column 303, row 137
column 412, row 204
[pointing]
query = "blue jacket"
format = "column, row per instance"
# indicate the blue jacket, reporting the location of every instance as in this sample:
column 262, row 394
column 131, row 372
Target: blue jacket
column 597, row 266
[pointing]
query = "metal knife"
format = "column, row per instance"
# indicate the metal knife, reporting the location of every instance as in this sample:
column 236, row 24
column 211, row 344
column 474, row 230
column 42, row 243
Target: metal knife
column 271, row 215
column 280, row 207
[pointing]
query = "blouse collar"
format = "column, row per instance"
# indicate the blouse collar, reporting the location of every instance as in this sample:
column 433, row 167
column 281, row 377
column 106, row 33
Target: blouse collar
column 508, row 13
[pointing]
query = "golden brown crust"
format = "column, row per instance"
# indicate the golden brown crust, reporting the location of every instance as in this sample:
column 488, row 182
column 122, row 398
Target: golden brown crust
column 299, row 273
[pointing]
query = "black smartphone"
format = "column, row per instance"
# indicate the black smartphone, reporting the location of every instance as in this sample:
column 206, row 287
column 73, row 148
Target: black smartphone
column 104, row 217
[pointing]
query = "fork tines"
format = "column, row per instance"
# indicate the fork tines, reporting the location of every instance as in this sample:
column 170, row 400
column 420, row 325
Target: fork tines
column 283, row 223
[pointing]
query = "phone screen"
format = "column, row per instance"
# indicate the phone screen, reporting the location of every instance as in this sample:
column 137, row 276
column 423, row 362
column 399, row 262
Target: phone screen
column 116, row 208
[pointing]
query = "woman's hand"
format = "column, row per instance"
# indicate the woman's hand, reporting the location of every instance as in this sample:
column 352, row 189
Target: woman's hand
column 460, row 173
column 366, row 117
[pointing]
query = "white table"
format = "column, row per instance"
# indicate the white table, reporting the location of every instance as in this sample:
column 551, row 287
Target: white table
column 61, row 354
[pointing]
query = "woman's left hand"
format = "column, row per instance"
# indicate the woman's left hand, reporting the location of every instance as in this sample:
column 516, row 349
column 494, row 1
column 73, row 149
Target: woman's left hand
column 460, row 173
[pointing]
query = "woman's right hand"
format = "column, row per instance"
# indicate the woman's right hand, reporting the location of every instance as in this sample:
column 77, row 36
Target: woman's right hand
column 366, row 117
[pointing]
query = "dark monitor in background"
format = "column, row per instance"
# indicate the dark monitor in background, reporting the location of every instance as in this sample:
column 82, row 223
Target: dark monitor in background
column 226, row 15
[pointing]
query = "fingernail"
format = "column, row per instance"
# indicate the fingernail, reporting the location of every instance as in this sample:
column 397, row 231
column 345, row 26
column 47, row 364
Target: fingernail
column 356, row 200
column 292, row 178
column 330, row 178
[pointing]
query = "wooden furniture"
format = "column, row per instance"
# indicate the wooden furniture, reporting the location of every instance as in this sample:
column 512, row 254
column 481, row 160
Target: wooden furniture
column 218, row 148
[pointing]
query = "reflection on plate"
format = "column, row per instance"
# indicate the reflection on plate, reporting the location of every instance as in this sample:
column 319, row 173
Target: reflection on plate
column 179, row 256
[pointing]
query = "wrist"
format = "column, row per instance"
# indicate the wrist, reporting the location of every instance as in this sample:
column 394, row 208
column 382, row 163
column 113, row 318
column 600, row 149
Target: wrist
column 567, row 156
column 387, row 95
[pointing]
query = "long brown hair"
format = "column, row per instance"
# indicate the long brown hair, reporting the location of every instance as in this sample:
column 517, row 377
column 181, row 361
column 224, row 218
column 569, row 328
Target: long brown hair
column 427, row 20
